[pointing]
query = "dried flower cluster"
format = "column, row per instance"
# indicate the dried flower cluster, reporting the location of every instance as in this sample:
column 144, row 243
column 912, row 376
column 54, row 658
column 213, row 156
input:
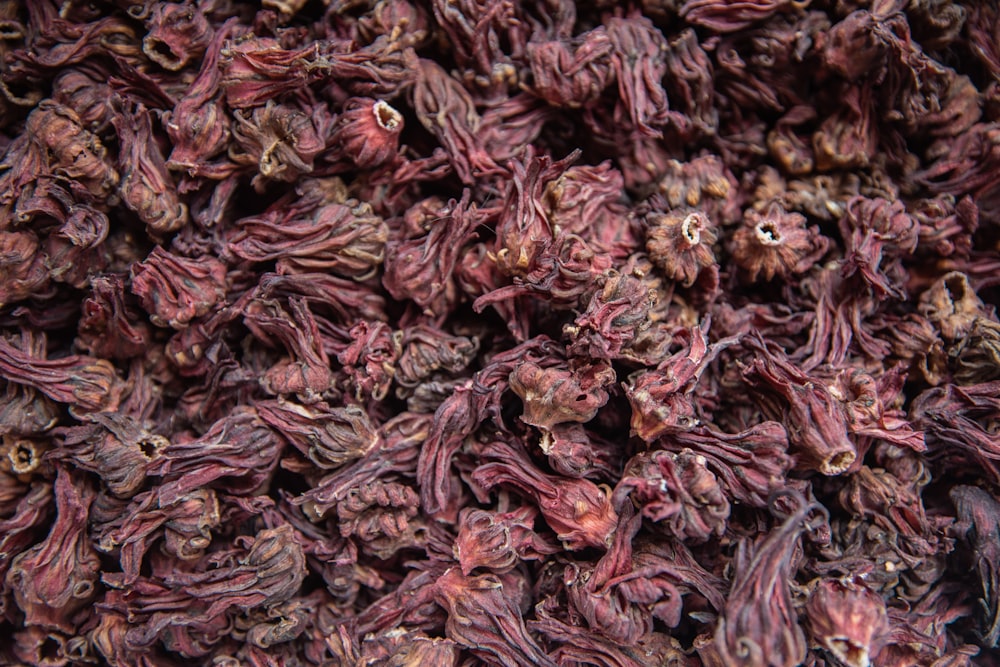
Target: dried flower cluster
column 461, row 332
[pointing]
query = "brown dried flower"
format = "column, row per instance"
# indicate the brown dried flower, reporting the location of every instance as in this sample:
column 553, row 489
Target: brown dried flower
column 776, row 243
column 680, row 243
column 280, row 141
column 952, row 305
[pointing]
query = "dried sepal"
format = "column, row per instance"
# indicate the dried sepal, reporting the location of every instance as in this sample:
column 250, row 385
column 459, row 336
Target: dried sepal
column 977, row 355
column 119, row 448
column 146, row 186
column 571, row 74
column 483, row 617
column 381, row 516
column 498, row 541
column 281, row 142
column 370, row 359
column 952, row 305
column 557, row 394
column 578, row 510
column 70, row 149
column 345, row 238
column 978, row 514
column 84, row 383
column 759, row 625
column 678, row 491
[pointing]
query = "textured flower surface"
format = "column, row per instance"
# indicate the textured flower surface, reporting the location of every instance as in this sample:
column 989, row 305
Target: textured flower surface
column 398, row 333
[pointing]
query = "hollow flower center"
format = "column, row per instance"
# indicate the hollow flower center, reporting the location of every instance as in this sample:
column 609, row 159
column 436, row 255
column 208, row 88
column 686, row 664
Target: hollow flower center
column 387, row 117
column 767, row 233
column 691, row 228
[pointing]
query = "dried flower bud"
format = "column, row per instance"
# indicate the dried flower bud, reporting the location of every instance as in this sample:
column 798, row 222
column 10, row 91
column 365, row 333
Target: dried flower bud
column 815, row 418
column 660, row 398
column 85, row 383
column 174, row 290
column 71, row 150
column 178, row 34
column 677, row 490
column 367, row 132
column 776, row 243
column 977, row 356
column 483, row 618
column 704, row 183
column 119, row 448
column 853, row 47
column 87, row 92
column 379, row 515
column 680, row 243
column 578, row 510
column 305, row 372
column 615, row 316
column 198, row 126
column 874, row 230
column 638, row 58
column 572, row 74
column 978, row 514
column 146, row 185
column 329, row 437
column 280, row 141
column 26, row 411
column 23, row 272
column 348, row 239
column 847, row 619
column 427, row 351
column 448, row 112
column 759, row 625
column 406, row 22
column 108, row 327
column 952, row 305
column 499, row 540
column 56, row 577
column 370, row 358
column 556, row 395
column 421, row 268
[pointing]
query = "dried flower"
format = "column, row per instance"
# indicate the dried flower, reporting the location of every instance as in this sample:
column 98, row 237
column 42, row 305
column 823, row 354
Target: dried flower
column 680, row 243
column 178, row 34
column 58, row 576
column 146, row 186
column 847, row 619
column 175, row 290
column 367, row 132
column 776, row 243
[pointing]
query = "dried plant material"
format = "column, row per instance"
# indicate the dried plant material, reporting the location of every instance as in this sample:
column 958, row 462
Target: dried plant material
column 460, row 332
column 776, row 243
column 847, row 619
